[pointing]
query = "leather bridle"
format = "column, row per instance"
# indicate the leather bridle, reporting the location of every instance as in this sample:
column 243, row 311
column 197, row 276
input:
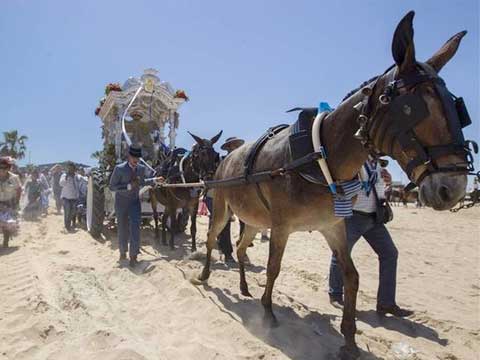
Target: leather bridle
column 400, row 110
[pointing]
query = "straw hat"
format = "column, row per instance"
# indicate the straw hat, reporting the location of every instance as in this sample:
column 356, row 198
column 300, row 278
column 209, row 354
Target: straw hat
column 232, row 142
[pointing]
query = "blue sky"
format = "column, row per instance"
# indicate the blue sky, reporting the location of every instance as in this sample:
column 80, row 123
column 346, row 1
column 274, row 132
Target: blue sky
column 243, row 63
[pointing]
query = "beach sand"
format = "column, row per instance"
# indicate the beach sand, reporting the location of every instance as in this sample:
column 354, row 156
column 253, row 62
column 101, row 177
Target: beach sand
column 65, row 296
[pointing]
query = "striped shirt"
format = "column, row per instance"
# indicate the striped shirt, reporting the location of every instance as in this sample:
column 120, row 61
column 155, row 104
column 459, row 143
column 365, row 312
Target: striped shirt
column 367, row 203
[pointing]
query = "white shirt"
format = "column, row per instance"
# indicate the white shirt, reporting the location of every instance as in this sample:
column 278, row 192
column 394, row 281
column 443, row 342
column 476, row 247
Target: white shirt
column 70, row 186
column 368, row 204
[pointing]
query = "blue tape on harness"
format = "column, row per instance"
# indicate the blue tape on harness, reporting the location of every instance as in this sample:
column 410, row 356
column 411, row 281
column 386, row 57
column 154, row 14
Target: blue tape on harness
column 323, row 106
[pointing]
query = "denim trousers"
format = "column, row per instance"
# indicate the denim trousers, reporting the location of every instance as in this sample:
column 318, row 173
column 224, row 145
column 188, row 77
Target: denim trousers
column 129, row 213
column 381, row 242
column 69, row 212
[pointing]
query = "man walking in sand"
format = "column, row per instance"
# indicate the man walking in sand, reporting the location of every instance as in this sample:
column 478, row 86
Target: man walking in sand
column 126, row 181
column 366, row 223
column 70, row 183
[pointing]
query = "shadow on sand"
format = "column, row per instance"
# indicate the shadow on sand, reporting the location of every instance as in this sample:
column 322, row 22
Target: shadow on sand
column 8, row 250
column 402, row 325
column 311, row 337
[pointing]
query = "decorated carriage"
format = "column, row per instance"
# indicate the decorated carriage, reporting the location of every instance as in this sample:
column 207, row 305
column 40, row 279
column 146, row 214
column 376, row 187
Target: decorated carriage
column 141, row 111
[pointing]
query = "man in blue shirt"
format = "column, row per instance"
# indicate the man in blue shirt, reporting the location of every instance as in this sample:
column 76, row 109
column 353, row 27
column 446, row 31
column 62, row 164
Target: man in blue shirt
column 364, row 223
column 126, row 181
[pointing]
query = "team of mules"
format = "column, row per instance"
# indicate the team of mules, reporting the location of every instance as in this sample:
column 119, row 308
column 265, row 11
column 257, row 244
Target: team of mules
column 290, row 203
column 200, row 163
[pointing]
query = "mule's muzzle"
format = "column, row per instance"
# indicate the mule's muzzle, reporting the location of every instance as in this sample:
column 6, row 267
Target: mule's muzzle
column 442, row 191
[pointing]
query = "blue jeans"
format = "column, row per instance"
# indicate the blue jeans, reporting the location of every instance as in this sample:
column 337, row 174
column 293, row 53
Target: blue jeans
column 381, row 242
column 69, row 212
column 128, row 212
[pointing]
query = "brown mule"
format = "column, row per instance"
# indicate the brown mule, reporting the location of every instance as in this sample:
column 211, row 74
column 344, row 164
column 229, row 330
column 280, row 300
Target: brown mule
column 297, row 205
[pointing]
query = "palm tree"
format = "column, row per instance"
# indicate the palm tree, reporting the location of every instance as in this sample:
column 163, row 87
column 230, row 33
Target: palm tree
column 13, row 145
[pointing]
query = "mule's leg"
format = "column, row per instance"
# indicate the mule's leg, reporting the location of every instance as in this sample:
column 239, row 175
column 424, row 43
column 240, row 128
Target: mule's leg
column 278, row 241
column 164, row 226
column 173, row 223
column 248, row 235
column 337, row 240
column 153, row 203
column 220, row 217
column 193, row 226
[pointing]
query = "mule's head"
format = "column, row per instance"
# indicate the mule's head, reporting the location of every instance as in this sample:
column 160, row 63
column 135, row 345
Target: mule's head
column 411, row 116
column 204, row 157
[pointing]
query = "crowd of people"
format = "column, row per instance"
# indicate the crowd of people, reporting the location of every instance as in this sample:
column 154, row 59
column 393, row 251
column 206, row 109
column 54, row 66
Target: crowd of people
column 26, row 193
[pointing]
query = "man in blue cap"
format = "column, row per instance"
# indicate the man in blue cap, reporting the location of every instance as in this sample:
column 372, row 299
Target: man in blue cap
column 126, row 181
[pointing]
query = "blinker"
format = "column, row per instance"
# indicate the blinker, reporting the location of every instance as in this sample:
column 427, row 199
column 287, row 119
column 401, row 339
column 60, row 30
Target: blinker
column 406, row 111
column 462, row 112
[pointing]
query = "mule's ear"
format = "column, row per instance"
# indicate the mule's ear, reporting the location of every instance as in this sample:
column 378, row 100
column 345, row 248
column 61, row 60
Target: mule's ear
column 446, row 52
column 214, row 139
column 403, row 49
column 198, row 139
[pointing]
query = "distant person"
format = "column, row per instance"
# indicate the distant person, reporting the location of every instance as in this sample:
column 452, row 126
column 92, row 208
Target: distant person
column 10, row 192
column 366, row 222
column 44, row 197
column 82, row 196
column 33, row 190
column 126, row 181
column 55, row 174
column 70, row 183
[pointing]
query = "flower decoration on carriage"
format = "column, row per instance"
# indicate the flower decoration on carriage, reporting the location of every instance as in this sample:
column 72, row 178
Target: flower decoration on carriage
column 180, row 94
column 112, row 87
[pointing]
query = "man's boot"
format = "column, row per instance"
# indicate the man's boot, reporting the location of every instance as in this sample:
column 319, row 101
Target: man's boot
column 395, row 310
column 229, row 259
column 133, row 261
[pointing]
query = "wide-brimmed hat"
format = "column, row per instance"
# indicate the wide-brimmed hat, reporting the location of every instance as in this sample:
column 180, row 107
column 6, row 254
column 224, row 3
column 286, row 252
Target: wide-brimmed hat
column 232, row 142
column 135, row 151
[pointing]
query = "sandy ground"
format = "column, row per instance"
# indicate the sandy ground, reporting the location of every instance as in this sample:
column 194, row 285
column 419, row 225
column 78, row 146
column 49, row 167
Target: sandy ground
column 65, row 296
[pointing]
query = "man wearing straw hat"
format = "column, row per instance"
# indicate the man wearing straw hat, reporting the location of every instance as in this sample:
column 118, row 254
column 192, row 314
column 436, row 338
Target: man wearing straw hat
column 224, row 239
column 126, row 181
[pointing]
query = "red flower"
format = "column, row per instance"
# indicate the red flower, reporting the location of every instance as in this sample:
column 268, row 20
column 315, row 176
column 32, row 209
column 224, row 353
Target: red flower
column 112, row 87
column 180, row 94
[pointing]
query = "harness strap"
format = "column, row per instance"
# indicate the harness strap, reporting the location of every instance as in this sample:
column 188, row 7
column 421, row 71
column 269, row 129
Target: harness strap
column 318, row 147
column 252, row 155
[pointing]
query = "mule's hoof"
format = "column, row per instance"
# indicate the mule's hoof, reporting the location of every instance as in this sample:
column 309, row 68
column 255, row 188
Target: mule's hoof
column 204, row 276
column 349, row 353
column 245, row 292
